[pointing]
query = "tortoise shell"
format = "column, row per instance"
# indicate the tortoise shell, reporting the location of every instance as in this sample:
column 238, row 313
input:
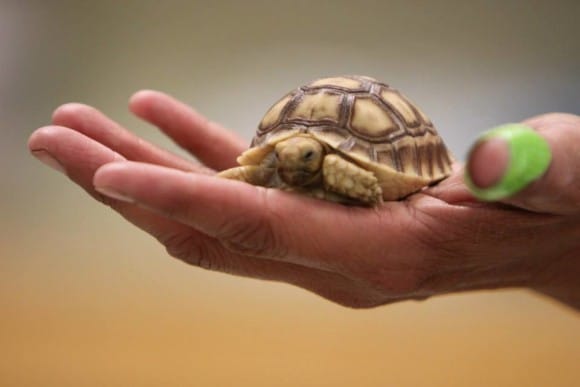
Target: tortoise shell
column 367, row 122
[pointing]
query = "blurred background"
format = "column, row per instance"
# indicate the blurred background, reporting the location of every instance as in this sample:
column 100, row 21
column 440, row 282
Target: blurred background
column 88, row 300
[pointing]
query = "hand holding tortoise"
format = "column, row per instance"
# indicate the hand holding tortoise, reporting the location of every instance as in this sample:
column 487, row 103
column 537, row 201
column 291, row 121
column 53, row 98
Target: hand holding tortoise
column 436, row 241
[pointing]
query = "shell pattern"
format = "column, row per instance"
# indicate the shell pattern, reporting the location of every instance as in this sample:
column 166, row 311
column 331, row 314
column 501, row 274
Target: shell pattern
column 364, row 119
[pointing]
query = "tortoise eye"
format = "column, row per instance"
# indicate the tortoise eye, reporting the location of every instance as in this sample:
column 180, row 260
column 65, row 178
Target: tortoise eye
column 308, row 155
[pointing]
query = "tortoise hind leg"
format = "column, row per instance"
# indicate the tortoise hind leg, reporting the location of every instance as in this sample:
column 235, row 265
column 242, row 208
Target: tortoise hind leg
column 252, row 174
column 348, row 179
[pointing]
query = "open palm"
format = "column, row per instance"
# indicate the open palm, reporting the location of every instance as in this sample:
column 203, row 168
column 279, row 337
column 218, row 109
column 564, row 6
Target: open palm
column 437, row 241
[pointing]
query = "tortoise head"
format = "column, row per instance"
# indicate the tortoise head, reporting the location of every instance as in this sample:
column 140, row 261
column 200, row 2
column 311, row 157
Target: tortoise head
column 299, row 160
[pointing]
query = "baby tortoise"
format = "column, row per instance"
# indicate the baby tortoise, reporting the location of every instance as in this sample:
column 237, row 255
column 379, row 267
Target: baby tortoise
column 348, row 139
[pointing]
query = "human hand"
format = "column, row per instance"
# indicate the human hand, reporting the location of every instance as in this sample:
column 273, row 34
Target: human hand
column 438, row 241
column 537, row 170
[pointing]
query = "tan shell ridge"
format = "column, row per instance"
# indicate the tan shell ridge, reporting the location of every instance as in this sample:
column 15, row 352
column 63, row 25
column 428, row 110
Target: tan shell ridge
column 364, row 119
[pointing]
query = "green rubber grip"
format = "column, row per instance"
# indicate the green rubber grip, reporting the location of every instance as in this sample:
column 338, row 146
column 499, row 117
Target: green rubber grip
column 529, row 158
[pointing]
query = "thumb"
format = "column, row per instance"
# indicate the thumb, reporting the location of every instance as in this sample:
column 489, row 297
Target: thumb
column 534, row 165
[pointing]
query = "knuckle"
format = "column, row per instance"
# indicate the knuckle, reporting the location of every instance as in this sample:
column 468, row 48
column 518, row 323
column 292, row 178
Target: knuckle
column 249, row 238
column 188, row 248
column 254, row 234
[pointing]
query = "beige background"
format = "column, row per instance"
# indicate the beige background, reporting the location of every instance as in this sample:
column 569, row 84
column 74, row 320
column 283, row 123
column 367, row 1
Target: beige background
column 88, row 300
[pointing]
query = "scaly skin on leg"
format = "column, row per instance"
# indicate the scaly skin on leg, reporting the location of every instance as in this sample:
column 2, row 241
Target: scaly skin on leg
column 252, row 174
column 348, row 179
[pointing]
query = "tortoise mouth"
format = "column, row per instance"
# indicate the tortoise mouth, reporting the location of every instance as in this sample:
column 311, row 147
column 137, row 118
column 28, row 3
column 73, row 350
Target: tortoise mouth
column 297, row 177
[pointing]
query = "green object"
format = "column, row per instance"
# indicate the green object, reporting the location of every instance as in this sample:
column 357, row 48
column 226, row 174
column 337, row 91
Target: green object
column 529, row 158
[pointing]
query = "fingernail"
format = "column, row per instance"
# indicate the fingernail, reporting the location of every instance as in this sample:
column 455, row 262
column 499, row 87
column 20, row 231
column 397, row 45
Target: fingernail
column 505, row 160
column 113, row 193
column 48, row 159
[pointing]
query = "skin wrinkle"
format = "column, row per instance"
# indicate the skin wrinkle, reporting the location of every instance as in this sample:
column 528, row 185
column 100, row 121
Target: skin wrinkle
column 390, row 273
column 428, row 239
column 276, row 214
column 182, row 247
column 485, row 271
column 186, row 248
column 296, row 280
column 363, row 259
column 209, row 264
column 252, row 239
column 256, row 238
column 387, row 271
column 325, row 252
column 448, row 241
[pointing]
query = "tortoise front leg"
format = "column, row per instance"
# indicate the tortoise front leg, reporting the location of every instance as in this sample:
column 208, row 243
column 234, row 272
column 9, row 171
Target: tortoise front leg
column 348, row 179
column 252, row 174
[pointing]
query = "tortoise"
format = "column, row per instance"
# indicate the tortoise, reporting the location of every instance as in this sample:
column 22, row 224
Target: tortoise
column 347, row 139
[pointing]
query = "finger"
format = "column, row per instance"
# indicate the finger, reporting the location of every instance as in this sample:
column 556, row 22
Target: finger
column 537, row 169
column 213, row 145
column 79, row 157
column 97, row 126
column 257, row 221
column 72, row 153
